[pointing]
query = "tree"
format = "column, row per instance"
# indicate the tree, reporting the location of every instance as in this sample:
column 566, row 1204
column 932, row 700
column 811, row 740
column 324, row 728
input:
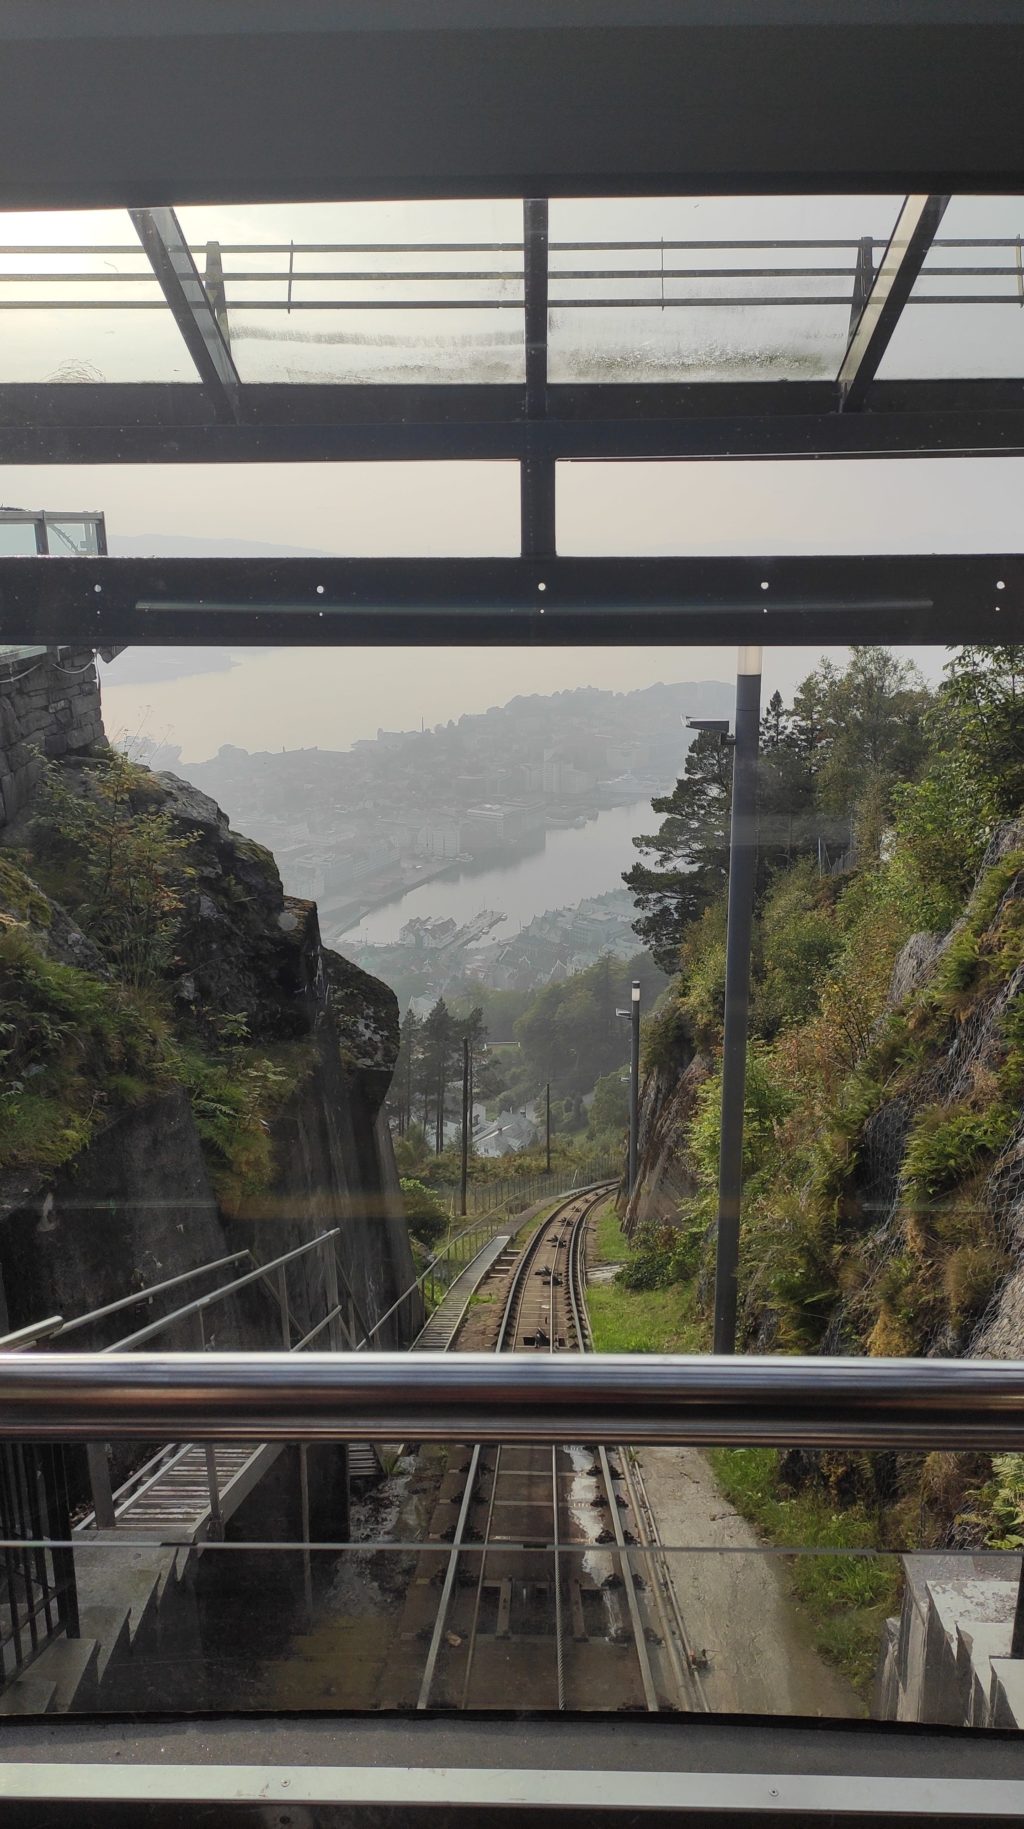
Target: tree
column 405, row 1076
column 609, row 1109
column 874, row 726
column 690, row 851
column 439, row 1042
column 984, row 691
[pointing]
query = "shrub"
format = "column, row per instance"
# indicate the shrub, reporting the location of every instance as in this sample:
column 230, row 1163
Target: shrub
column 425, row 1217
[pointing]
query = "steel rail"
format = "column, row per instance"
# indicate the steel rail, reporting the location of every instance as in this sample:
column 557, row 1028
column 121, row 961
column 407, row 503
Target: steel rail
column 463, row 1518
column 742, row 1401
column 576, row 1279
column 510, row 1310
column 659, row 1572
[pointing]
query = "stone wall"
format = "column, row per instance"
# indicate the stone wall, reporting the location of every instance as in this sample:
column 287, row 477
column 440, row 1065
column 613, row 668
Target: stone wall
column 49, row 706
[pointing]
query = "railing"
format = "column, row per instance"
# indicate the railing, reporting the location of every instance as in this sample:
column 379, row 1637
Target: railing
column 38, row 1599
column 292, row 276
column 513, row 1191
column 342, row 1320
column 901, row 1404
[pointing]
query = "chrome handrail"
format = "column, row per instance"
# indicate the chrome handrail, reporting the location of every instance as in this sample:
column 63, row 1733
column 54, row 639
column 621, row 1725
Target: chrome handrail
column 784, row 1402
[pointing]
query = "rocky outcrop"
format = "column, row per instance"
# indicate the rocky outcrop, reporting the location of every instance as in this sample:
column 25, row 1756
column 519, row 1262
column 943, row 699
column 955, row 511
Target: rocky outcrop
column 255, row 1026
column 930, row 1211
column 665, row 1176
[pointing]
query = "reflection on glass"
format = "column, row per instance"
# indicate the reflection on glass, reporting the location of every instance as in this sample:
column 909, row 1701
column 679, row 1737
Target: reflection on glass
column 78, row 302
column 728, row 1627
column 715, row 289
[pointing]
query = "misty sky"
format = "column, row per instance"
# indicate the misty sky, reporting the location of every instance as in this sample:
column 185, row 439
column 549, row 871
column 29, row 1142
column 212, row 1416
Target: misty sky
column 290, row 698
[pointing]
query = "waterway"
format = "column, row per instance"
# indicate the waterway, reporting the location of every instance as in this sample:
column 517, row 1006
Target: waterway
column 565, row 866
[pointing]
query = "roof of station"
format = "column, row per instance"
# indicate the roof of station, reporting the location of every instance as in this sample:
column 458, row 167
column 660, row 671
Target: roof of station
column 508, row 328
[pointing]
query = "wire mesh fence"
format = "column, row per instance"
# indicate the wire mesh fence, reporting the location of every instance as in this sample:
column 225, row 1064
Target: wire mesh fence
column 510, row 1193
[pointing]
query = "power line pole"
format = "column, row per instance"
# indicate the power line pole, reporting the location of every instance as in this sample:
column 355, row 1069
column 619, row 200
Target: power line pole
column 465, row 1167
column 742, row 862
column 634, row 1082
column 547, row 1112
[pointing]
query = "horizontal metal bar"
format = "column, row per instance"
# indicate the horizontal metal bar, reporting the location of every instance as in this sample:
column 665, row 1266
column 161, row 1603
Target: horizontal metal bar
column 27, row 1336
column 510, row 602
column 657, row 303
column 172, row 422
column 213, row 1296
column 144, row 1295
column 484, row 1794
column 808, row 1402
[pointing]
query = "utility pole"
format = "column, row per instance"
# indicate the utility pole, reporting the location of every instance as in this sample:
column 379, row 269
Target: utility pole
column 547, row 1125
column 742, row 861
column 634, row 1082
column 464, row 1175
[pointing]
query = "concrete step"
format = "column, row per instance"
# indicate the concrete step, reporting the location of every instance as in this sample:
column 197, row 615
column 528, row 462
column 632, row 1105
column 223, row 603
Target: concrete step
column 28, row 1694
column 111, row 1628
column 71, row 1665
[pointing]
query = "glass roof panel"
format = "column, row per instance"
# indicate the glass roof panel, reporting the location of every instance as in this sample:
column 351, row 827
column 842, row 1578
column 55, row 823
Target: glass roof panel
column 78, row 302
column 370, row 292
column 976, row 258
column 706, row 289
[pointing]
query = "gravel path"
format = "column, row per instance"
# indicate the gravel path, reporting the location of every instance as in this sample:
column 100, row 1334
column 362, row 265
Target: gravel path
column 737, row 1606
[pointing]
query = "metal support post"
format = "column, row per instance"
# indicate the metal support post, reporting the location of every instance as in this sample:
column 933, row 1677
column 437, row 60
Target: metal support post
column 98, row 1457
column 464, row 1167
column 634, row 1082
column 307, row 1567
column 282, row 1296
column 1017, row 1636
column 547, row 1127
column 742, row 861
column 331, row 1297
column 213, row 1481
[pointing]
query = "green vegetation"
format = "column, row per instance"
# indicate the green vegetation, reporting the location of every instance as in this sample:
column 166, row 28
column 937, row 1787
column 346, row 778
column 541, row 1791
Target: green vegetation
column 627, row 1317
column 566, row 1037
column 81, row 1041
column 73, row 1050
column 425, row 1217
column 846, row 1597
column 873, row 1130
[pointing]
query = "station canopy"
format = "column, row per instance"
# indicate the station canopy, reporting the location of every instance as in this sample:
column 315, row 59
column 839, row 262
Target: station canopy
column 668, row 232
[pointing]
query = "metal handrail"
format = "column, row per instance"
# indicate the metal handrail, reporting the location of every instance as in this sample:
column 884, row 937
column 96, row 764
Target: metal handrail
column 153, row 1289
column 200, row 1303
column 784, row 1402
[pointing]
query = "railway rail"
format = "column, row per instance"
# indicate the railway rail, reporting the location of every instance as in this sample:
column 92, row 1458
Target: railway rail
column 556, row 1590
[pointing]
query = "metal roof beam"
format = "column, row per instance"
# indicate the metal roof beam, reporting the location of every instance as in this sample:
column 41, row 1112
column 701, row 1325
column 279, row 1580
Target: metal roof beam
column 178, row 277
column 537, row 468
column 560, row 602
column 174, row 422
column 916, row 228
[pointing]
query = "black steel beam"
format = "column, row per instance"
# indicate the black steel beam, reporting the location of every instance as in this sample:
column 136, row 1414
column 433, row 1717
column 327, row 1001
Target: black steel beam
column 352, row 98
column 898, row 269
column 513, row 602
column 537, row 468
column 177, row 275
column 175, row 423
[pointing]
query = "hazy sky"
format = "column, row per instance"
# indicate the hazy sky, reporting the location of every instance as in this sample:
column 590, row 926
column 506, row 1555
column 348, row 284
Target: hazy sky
column 330, row 697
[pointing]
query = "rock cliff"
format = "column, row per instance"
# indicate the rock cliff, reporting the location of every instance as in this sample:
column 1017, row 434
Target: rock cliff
column 185, row 1070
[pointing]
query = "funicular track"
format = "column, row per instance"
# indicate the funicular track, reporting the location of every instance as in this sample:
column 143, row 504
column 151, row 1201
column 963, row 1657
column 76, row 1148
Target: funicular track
column 544, row 1601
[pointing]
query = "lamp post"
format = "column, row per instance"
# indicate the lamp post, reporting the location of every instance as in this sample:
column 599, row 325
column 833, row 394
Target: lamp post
column 742, row 860
column 464, row 1165
column 634, row 1082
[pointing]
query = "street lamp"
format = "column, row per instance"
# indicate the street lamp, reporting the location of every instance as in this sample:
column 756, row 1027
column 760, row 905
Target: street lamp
column 742, row 861
column 634, row 1081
